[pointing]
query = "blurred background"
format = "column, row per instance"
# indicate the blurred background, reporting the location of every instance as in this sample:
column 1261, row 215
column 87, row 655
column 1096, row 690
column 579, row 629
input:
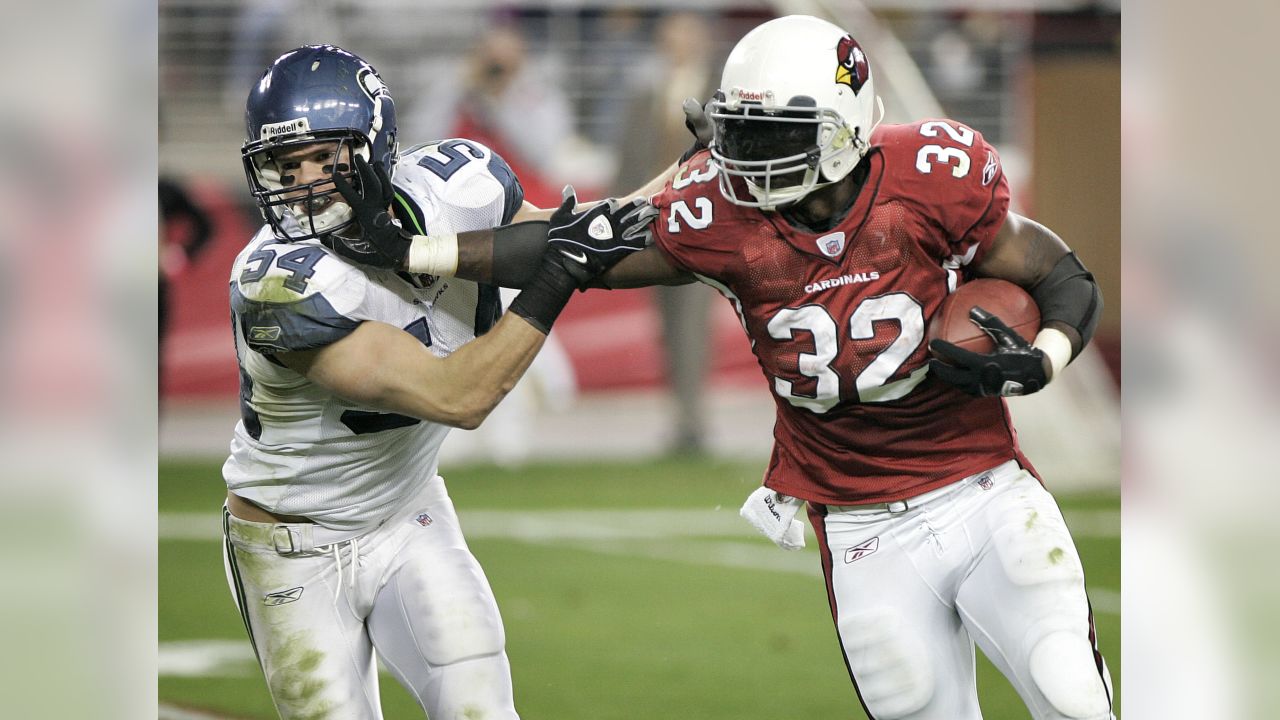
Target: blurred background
column 601, row 496
column 590, row 96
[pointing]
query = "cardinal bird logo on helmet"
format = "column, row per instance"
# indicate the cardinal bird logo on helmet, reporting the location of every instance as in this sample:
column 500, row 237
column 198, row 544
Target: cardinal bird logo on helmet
column 853, row 70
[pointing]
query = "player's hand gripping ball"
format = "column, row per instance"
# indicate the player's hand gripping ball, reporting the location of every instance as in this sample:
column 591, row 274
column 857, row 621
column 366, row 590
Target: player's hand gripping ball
column 981, row 340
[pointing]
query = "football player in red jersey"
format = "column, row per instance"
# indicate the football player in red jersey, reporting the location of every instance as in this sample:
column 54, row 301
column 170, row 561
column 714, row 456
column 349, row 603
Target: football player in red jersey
column 836, row 241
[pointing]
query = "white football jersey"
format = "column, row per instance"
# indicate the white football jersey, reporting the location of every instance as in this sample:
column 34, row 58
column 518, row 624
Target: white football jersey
column 300, row 450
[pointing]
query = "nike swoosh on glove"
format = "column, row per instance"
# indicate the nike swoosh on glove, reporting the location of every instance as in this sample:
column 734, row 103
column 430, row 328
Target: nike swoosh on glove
column 588, row 242
column 774, row 515
column 1015, row 368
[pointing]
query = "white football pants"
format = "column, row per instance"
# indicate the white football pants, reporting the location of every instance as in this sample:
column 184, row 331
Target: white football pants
column 913, row 584
column 317, row 605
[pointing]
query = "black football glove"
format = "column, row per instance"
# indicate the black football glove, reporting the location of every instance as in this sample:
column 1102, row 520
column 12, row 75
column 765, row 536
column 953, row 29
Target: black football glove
column 588, row 242
column 695, row 118
column 1015, row 368
column 382, row 242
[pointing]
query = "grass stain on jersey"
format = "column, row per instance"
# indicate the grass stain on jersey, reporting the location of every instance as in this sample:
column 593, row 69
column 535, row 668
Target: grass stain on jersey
column 272, row 289
column 1056, row 555
column 1032, row 518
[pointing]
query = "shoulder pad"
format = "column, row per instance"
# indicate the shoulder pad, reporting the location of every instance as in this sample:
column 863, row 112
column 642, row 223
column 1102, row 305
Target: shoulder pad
column 294, row 296
column 278, row 272
column 696, row 226
column 945, row 154
column 463, row 174
column 952, row 176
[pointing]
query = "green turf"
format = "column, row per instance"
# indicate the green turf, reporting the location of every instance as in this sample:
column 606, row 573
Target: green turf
column 608, row 630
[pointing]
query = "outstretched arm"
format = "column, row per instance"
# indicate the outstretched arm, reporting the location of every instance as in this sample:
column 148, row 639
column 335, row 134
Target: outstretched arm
column 406, row 378
column 508, row 256
column 642, row 269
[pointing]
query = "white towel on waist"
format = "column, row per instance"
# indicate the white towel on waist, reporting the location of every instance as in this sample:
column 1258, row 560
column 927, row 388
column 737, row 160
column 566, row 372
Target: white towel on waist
column 774, row 515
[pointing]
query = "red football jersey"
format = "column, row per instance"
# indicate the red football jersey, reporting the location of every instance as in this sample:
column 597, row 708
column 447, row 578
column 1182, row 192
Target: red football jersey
column 837, row 319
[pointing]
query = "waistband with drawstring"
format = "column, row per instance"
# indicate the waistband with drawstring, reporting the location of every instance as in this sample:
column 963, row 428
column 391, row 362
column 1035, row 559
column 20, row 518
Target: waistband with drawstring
column 300, row 539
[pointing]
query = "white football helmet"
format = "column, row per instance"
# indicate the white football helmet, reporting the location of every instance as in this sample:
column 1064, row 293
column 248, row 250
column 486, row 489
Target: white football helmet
column 794, row 111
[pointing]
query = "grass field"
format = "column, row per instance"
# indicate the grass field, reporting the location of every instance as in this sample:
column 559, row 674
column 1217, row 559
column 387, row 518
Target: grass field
column 628, row 591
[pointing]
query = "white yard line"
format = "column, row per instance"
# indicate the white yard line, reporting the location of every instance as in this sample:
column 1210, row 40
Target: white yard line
column 172, row 712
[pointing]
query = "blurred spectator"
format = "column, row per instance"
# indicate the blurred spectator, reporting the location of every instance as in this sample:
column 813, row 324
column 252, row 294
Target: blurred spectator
column 185, row 230
column 502, row 99
column 616, row 52
column 654, row 136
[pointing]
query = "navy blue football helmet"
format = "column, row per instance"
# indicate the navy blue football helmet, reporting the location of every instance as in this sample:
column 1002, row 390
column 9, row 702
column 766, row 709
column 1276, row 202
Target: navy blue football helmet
column 315, row 94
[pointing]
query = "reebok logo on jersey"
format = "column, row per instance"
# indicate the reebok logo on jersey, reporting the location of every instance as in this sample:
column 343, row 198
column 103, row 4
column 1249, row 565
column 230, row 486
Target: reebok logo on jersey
column 989, row 170
column 269, row 333
column 600, row 229
column 831, row 244
column 861, row 550
column 842, row 280
column 282, row 597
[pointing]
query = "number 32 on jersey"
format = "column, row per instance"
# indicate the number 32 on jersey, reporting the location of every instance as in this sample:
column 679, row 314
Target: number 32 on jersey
column 699, row 217
column 871, row 384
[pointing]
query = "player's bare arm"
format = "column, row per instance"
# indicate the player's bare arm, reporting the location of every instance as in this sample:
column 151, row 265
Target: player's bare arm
column 509, row 255
column 458, row 390
column 1034, row 257
column 506, row 255
column 642, row 269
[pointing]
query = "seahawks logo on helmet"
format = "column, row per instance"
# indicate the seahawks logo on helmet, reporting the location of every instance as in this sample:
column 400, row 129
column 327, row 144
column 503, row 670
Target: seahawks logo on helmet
column 370, row 83
column 852, row 69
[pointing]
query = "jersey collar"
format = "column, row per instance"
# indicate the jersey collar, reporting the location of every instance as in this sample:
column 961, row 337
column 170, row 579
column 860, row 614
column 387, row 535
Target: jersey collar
column 838, row 239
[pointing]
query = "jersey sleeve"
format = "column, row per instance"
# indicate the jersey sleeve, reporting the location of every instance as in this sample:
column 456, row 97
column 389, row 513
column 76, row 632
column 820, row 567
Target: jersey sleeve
column 465, row 185
column 295, row 297
column 956, row 178
column 694, row 224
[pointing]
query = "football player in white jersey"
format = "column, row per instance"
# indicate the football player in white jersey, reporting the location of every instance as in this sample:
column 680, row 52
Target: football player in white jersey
column 340, row 538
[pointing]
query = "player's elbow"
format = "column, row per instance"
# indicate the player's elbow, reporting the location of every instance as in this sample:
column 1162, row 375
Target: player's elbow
column 469, row 410
column 468, row 419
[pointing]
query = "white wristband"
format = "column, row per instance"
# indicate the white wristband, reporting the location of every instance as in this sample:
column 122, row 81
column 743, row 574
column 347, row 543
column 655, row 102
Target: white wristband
column 434, row 254
column 1056, row 346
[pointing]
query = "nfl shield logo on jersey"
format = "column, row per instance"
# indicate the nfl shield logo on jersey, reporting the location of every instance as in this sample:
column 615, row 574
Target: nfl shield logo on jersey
column 423, row 519
column 831, row 245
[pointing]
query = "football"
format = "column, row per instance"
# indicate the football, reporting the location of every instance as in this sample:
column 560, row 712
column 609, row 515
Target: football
column 1001, row 298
